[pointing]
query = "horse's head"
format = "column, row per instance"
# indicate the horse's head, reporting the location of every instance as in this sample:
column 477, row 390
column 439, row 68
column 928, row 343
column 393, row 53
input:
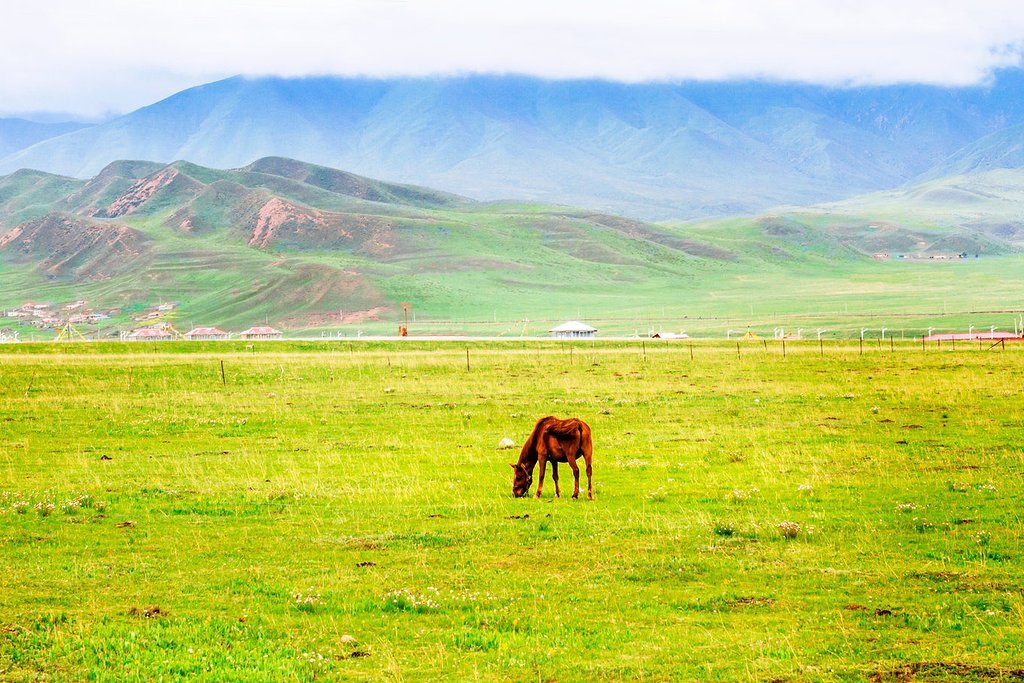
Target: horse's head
column 522, row 481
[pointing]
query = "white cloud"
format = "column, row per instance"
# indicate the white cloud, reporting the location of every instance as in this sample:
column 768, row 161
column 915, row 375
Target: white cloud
column 90, row 57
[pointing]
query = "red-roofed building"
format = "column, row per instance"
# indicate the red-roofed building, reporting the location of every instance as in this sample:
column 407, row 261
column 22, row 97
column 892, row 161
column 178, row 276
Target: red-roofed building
column 260, row 332
column 150, row 334
column 205, row 334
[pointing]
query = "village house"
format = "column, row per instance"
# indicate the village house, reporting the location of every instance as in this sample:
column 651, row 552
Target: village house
column 205, row 334
column 150, row 334
column 260, row 332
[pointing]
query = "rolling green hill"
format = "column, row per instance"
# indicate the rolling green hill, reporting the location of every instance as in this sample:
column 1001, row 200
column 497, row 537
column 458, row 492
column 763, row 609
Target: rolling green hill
column 312, row 248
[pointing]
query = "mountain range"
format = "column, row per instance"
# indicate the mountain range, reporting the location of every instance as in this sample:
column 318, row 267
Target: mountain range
column 306, row 246
column 649, row 150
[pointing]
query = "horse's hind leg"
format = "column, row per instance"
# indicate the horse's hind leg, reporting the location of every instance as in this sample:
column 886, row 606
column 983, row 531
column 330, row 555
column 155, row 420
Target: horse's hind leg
column 575, row 475
column 554, row 475
column 590, row 487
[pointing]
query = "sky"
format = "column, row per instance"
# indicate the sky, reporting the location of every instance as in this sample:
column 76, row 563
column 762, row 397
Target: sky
column 94, row 58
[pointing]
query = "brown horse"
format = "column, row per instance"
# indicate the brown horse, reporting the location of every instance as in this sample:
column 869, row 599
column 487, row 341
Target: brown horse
column 555, row 441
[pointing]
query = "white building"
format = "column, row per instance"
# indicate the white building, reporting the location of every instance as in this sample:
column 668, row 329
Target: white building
column 573, row 329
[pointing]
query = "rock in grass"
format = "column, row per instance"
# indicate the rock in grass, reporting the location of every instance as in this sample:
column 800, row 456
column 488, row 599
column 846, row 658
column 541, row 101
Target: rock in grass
column 506, row 443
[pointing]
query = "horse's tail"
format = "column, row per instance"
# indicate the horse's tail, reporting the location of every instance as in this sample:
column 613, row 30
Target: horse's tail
column 530, row 447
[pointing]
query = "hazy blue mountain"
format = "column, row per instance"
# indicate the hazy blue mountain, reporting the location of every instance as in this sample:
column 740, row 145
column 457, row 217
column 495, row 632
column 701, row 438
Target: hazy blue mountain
column 655, row 150
column 1002, row 149
column 17, row 134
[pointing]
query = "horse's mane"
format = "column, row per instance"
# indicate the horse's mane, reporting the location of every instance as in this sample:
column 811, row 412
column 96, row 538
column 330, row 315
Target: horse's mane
column 529, row 452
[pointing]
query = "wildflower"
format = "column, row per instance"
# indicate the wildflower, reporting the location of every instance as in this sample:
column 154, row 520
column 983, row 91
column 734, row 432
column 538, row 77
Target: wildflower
column 307, row 601
column 805, row 489
column 313, row 657
column 404, row 600
column 788, row 530
column 658, row 495
column 634, row 464
column 743, row 495
column 906, row 507
column 982, row 538
column 725, row 529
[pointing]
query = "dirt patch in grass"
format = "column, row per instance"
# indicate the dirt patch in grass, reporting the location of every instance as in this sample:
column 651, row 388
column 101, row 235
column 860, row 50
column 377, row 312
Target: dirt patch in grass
column 937, row 576
column 946, row 671
column 752, row 602
column 150, row 612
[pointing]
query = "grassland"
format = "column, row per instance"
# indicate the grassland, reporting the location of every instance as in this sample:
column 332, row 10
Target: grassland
column 341, row 512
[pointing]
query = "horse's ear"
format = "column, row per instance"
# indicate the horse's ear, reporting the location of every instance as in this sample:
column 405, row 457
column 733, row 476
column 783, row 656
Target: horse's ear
column 512, row 465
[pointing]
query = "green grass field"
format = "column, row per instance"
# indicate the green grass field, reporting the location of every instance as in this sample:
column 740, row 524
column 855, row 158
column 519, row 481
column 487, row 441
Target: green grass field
column 342, row 512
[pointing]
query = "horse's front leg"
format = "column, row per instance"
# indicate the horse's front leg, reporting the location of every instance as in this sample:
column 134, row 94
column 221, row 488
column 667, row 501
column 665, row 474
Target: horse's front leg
column 554, row 475
column 542, row 463
column 575, row 475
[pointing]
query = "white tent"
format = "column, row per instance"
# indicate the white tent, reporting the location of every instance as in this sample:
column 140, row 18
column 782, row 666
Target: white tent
column 573, row 329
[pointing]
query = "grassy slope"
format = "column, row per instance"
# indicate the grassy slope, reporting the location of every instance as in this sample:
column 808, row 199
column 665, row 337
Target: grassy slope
column 350, row 472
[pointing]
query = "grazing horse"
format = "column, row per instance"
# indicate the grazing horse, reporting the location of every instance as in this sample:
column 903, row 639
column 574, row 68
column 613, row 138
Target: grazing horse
column 554, row 441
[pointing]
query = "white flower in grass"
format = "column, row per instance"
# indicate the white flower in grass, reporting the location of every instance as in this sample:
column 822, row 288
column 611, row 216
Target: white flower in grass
column 788, row 530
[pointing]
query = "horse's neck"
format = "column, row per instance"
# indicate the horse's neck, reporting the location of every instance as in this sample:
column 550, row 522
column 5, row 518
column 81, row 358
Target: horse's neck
column 528, row 459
